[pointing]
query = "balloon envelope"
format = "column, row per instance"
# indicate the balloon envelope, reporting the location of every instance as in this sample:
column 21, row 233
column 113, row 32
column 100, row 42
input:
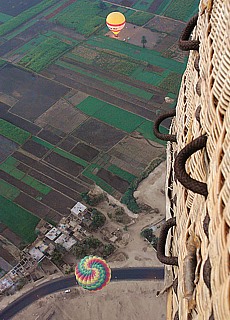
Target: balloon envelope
column 115, row 22
column 92, row 273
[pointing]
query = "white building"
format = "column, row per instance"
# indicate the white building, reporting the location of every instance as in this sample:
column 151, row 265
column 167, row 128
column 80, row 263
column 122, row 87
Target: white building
column 36, row 254
column 78, row 208
column 53, row 234
column 65, row 241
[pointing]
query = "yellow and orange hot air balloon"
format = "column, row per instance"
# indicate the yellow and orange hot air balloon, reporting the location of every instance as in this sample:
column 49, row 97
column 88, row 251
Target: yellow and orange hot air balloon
column 115, row 22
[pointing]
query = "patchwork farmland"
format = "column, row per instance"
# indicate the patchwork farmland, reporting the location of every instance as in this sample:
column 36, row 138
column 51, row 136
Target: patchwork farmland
column 77, row 105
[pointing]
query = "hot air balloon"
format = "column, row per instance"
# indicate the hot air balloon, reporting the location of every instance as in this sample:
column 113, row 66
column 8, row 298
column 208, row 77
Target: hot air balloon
column 92, row 273
column 115, row 22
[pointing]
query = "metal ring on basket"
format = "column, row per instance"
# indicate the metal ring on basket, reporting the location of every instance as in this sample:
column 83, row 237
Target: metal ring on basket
column 161, row 243
column 184, row 43
column 162, row 136
column 179, row 166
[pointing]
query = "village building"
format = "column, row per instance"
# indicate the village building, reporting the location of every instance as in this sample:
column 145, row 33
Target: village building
column 78, row 208
column 53, row 234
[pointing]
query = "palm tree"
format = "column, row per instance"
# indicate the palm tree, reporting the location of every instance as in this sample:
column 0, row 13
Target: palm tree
column 143, row 41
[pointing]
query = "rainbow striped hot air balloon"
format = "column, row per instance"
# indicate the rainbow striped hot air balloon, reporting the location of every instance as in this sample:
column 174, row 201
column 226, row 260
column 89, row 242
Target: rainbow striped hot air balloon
column 92, row 273
column 115, row 22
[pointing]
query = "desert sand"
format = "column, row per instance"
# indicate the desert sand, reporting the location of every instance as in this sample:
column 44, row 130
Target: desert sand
column 121, row 300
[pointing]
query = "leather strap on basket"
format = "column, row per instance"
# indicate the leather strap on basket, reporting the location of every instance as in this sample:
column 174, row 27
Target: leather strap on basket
column 162, row 136
column 184, row 43
column 179, row 166
column 173, row 261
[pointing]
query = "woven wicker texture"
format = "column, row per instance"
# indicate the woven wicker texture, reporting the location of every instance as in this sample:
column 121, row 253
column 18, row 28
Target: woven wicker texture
column 201, row 238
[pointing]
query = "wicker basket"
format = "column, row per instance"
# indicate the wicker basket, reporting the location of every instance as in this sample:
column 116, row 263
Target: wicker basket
column 201, row 238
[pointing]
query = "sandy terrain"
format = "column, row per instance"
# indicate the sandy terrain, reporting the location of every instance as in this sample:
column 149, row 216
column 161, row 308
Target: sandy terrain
column 151, row 191
column 135, row 252
column 121, row 300
column 127, row 300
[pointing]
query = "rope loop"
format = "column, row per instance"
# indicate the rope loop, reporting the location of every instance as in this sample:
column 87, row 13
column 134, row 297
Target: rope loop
column 179, row 166
column 173, row 261
column 184, row 43
column 162, row 136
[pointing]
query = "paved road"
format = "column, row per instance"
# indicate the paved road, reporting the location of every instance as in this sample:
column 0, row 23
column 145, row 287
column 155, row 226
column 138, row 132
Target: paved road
column 68, row 282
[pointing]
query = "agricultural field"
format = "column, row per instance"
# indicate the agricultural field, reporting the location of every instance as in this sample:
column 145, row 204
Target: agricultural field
column 140, row 54
column 85, row 17
column 142, row 5
column 70, row 64
column 24, row 16
column 105, row 59
column 44, row 54
column 12, row 132
column 174, row 9
column 140, row 18
column 20, row 221
column 77, row 105
column 4, row 17
column 177, row 9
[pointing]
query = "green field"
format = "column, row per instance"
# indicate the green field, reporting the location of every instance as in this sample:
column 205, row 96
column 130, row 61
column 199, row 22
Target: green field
column 91, row 105
column 55, row 7
column 110, row 114
column 117, row 117
column 146, row 129
column 119, row 63
column 14, row 33
column 10, row 166
column 4, row 17
column 152, row 78
column 121, row 173
column 61, row 152
column 143, row 54
column 105, row 59
column 2, row 62
column 140, row 18
column 61, row 37
column 30, row 45
column 12, row 132
column 171, row 82
column 84, row 16
column 19, row 220
column 8, row 191
column 143, row 5
column 164, row 4
column 88, row 172
column 25, row 16
column 180, row 10
column 44, row 54
column 117, row 84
